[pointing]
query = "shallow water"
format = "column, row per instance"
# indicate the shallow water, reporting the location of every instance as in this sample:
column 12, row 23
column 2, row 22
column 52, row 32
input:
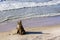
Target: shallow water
column 10, row 10
column 33, row 14
column 33, row 22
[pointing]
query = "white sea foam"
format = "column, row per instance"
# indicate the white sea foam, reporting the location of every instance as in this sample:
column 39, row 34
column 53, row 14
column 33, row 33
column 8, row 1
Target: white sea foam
column 44, row 15
column 6, row 5
column 27, row 16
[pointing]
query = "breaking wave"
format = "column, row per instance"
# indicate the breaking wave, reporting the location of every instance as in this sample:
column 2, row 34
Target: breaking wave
column 6, row 5
column 10, row 10
column 28, row 16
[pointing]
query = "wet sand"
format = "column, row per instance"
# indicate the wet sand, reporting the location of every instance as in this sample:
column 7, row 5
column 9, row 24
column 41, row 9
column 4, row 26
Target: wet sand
column 36, row 29
column 34, row 33
column 32, row 22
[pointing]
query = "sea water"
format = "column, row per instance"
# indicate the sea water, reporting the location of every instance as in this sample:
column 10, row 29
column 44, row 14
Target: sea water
column 26, row 9
column 39, row 12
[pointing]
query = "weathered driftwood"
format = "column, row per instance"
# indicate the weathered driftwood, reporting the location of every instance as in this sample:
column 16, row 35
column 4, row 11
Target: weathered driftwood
column 20, row 29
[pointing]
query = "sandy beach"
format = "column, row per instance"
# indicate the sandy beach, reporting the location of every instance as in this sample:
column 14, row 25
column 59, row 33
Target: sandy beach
column 34, row 33
column 40, row 19
column 36, row 29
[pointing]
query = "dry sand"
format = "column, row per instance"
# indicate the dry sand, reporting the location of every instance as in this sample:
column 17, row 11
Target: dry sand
column 34, row 33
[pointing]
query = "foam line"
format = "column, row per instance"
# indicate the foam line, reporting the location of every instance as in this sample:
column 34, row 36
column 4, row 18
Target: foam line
column 6, row 5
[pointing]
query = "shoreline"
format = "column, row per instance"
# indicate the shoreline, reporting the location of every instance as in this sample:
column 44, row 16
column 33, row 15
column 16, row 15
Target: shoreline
column 34, row 33
column 41, row 28
column 33, row 22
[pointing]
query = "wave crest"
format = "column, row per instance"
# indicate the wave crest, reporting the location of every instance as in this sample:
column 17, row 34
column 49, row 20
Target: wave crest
column 28, row 16
column 6, row 5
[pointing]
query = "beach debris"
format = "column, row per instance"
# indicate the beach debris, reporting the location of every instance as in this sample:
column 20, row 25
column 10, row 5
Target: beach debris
column 20, row 29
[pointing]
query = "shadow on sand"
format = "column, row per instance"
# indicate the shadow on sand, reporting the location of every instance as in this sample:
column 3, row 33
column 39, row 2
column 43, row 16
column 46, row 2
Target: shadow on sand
column 34, row 33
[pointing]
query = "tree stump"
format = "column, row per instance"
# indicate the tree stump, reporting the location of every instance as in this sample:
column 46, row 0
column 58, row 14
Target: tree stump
column 20, row 29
